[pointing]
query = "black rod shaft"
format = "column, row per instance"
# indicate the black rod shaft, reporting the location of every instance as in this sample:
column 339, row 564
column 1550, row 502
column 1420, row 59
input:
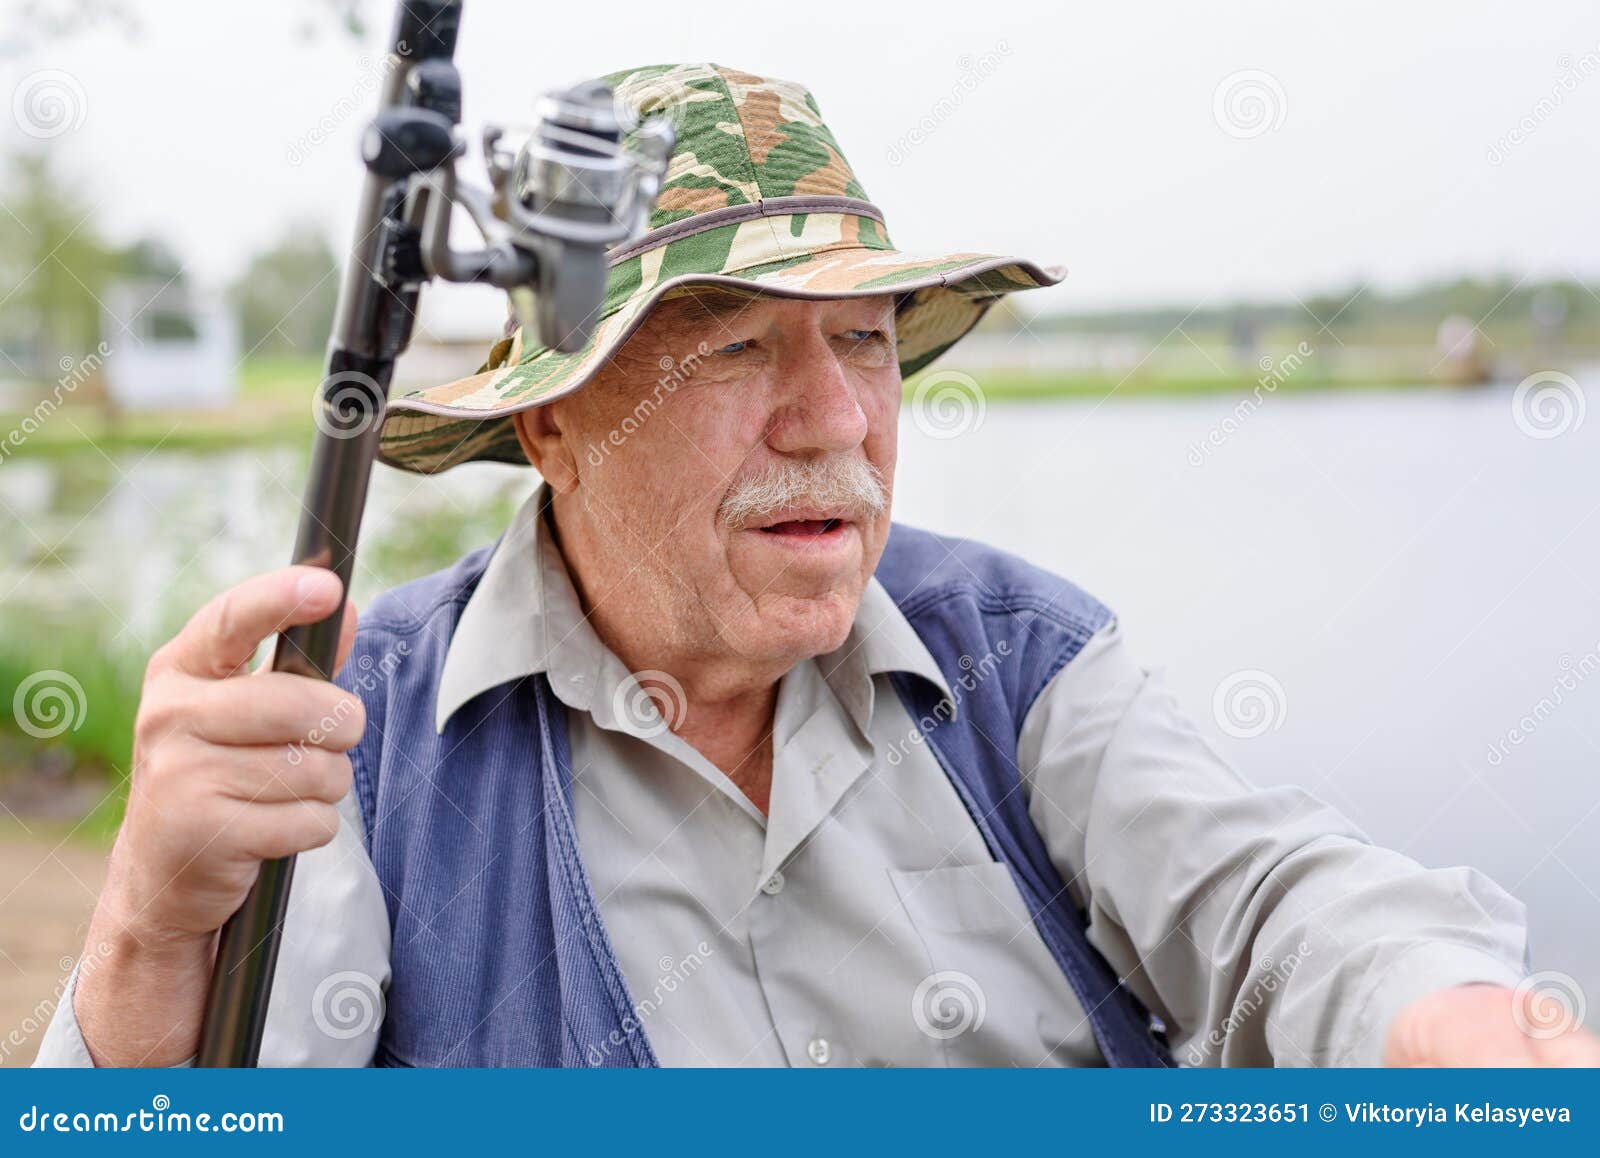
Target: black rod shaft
column 350, row 406
column 371, row 327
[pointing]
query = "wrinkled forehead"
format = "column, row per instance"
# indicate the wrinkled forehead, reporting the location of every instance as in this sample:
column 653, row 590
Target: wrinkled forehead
column 704, row 305
column 714, row 308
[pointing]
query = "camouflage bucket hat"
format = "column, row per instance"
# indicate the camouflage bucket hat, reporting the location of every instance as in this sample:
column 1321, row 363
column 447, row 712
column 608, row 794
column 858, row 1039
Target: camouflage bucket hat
column 758, row 199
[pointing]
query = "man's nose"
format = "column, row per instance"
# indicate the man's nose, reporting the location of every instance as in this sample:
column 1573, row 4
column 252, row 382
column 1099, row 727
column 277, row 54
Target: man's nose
column 822, row 411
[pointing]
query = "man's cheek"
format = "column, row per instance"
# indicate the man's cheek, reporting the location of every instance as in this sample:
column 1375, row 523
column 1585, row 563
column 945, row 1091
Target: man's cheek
column 883, row 445
column 687, row 480
column 882, row 406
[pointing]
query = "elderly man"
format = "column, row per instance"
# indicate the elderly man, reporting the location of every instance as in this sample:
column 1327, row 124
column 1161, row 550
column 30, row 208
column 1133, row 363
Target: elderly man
column 708, row 763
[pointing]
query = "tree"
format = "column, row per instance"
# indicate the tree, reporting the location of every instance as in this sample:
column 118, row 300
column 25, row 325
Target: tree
column 55, row 264
column 286, row 297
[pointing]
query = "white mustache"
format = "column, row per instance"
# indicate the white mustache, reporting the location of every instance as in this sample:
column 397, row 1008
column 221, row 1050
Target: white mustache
column 851, row 485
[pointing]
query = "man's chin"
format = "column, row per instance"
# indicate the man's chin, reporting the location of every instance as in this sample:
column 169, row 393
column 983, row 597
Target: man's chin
column 793, row 628
column 806, row 588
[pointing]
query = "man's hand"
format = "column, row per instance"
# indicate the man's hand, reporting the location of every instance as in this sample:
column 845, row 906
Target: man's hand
column 1489, row 1025
column 229, row 769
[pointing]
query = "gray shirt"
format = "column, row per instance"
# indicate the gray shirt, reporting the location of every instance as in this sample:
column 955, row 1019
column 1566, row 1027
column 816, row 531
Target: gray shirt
column 864, row 921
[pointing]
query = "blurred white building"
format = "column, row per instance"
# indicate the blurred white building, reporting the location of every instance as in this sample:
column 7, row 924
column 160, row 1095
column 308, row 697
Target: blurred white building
column 173, row 348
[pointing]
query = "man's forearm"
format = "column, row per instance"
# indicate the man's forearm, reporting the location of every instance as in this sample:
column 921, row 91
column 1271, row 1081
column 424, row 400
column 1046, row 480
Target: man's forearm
column 143, row 1002
column 1259, row 923
column 138, row 998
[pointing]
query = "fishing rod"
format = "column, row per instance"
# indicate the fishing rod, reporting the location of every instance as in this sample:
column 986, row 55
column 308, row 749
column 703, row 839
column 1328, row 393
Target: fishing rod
column 553, row 208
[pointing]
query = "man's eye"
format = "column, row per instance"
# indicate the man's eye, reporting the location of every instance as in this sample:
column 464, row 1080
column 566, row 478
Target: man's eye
column 734, row 348
column 863, row 335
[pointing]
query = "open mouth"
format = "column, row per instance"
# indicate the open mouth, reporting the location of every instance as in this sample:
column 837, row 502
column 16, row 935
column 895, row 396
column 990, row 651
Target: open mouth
column 803, row 527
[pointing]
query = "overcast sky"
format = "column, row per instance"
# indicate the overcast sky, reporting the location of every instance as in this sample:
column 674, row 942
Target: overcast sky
column 1088, row 134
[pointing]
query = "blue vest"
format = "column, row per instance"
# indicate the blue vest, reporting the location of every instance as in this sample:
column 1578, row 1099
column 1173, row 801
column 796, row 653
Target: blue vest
column 499, row 954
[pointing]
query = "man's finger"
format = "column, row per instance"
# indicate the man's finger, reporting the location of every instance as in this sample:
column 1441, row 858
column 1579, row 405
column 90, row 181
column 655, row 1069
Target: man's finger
column 1577, row 1048
column 1468, row 1025
column 277, row 708
column 224, row 634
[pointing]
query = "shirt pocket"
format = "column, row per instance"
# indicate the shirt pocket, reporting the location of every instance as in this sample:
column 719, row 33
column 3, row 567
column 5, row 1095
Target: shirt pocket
column 994, row 995
column 967, row 898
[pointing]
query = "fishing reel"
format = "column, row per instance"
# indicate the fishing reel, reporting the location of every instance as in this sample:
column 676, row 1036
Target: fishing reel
column 583, row 180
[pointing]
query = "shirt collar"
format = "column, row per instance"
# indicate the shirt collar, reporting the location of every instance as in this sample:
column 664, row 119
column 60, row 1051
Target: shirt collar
column 881, row 641
column 525, row 618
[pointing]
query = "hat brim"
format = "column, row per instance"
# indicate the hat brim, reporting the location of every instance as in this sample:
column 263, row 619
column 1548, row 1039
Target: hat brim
column 436, row 428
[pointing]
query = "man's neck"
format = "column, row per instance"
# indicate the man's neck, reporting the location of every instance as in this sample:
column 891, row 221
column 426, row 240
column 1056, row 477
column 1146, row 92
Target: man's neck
column 737, row 738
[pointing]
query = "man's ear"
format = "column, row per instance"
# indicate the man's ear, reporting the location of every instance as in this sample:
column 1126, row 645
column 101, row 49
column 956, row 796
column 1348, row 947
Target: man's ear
column 540, row 435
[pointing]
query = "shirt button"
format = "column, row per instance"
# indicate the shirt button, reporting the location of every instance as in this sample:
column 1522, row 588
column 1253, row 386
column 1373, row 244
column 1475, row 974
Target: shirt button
column 819, row 1051
column 772, row 886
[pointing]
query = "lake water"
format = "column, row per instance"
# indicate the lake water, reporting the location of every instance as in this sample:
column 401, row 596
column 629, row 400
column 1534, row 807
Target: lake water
column 1409, row 581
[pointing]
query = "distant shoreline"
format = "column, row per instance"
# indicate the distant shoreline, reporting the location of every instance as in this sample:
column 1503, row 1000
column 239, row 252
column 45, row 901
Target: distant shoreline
column 273, row 407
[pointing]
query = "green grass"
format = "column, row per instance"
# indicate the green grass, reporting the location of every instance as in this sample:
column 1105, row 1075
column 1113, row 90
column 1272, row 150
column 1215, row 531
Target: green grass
column 203, row 432
column 279, row 378
column 273, row 407
column 1025, row 385
column 98, row 746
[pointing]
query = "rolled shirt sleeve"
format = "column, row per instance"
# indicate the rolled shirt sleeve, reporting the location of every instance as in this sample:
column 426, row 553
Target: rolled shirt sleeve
column 1259, row 924
column 62, row 1046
